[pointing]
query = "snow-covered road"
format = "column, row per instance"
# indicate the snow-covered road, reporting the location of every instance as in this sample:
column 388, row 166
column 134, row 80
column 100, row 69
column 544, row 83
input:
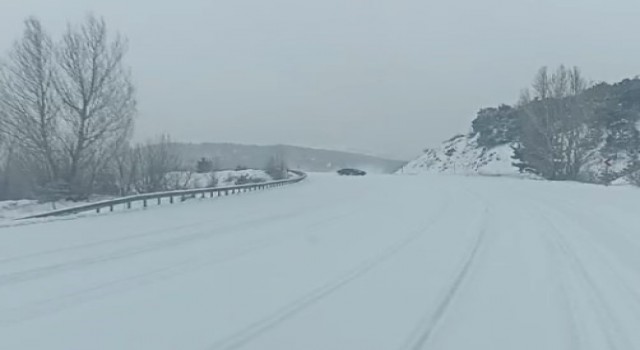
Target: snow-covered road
column 379, row 262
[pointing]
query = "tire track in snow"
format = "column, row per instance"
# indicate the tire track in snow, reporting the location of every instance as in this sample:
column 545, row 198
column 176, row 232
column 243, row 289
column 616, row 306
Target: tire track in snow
column 565, row 205
column 608, row 324
column 50, row 270
column 565, row 301
column 170, row 230
column 426, row 328
column 43, row 307
column 608, row 258
column 568, row 303
column 101, row 243
column 23, row 313
column 258, row 328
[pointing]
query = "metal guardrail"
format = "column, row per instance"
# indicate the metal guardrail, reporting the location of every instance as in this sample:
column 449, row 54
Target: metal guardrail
column 171, row 195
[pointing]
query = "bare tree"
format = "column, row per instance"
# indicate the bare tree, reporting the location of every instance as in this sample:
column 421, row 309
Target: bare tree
column 101, row 166
column 542, row 84
column 558, row 136
column 97, row 96
column 179, row 180
column 126, row 168
column 525, row 98
column 5, row 161
column 577, row 83
column 559, row 82
column 29, row 105
column 276, row 167
column 155, row 160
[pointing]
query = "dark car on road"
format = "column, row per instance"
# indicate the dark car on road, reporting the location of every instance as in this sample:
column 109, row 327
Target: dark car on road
column 351, row 172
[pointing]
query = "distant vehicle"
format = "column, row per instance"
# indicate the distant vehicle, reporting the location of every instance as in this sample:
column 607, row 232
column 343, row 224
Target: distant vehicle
column 351, row 172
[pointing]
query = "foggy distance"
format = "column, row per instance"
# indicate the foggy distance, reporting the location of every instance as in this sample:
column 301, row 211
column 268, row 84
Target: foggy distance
column 343, row 175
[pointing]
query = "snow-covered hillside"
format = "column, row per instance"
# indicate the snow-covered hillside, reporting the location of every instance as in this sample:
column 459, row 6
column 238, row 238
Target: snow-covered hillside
column 594, row 138
column 462, row 155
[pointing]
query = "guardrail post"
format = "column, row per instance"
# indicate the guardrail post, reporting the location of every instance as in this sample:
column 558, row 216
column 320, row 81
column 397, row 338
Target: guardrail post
column 144, row 203
column 98, row 210
column 111, row 208
column 159, row 200
column 128, row 205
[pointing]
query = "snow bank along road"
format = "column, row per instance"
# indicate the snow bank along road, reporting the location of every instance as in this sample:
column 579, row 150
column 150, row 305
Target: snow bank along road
column 378, row 262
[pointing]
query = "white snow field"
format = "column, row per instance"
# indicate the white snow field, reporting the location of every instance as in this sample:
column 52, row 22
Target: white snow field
column 333, row 263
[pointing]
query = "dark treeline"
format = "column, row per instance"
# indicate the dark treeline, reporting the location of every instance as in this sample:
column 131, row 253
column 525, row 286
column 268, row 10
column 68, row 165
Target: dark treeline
column 566, row 128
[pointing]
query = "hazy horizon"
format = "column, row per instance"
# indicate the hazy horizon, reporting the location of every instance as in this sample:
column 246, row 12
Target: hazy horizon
column 375, row 77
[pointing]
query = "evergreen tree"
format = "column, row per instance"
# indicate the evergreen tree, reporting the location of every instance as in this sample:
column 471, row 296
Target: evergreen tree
column 204, row 166
column 277, row 168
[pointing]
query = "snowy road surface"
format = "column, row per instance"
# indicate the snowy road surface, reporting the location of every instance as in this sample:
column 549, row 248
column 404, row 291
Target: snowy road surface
column 379, row 262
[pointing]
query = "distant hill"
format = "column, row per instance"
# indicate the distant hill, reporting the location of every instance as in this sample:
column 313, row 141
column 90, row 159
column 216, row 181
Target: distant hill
column 230, row 155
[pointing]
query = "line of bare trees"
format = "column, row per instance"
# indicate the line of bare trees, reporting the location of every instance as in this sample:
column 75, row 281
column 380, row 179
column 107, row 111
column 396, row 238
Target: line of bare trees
column 67, row 111
column 148, row 167
column 67, row 108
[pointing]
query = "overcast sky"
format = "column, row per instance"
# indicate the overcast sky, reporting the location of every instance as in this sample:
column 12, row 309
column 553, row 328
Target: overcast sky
column 382, row 77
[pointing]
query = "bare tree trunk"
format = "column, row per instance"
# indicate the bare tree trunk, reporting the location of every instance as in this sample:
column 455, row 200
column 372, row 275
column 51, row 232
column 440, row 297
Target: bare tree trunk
column 5, row 177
